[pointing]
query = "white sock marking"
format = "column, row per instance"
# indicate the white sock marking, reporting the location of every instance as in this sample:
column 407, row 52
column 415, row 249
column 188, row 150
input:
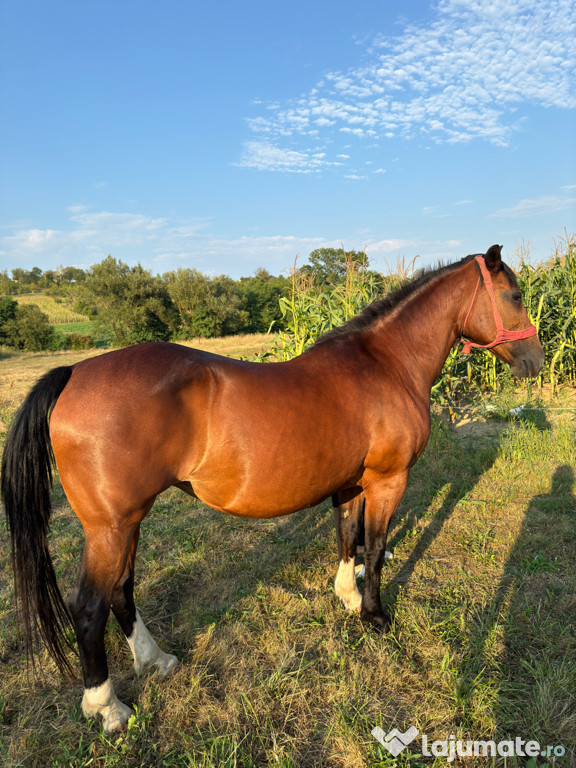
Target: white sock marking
column 101, row 700
column 147, row 654
column 345, row 585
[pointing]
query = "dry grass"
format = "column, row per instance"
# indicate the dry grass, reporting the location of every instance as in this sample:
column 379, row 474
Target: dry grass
column 244, row 346
column 275, row 672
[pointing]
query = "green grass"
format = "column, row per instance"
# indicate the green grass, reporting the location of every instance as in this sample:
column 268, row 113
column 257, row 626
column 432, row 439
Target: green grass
column 274, row 671
column 100, row 341
column 82, row 326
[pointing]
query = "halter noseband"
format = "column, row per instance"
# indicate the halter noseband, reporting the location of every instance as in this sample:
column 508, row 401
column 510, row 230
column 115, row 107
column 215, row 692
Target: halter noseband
column 502, row 335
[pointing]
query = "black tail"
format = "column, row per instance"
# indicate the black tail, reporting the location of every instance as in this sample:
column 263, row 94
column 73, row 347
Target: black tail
column 26, row 484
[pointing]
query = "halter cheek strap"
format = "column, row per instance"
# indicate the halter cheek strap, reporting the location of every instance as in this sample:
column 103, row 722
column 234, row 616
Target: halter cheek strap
column 502, row 335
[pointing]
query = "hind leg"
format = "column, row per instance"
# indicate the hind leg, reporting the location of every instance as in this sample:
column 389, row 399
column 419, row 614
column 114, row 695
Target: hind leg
column 349, row 517
column 105, row 554
column 147, row 654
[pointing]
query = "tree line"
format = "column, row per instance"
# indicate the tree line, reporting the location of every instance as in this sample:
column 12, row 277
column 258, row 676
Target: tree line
column 130, row 305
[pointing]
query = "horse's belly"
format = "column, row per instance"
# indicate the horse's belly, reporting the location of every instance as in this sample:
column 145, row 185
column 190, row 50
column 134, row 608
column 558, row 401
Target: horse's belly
column 260, row 506
column 269, row 489
column 259, row 499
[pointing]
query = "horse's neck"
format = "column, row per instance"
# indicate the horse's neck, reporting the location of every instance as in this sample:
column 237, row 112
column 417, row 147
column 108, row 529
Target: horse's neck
column 421, row 331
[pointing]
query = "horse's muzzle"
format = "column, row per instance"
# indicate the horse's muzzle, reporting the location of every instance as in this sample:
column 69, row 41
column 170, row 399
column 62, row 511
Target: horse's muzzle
column 528, row 364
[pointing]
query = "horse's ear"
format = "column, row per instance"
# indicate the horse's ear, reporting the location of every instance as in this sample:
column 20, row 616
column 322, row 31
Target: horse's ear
column 493, row 257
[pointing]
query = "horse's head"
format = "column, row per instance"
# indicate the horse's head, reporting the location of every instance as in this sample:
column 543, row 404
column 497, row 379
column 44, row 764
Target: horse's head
column 497, row 318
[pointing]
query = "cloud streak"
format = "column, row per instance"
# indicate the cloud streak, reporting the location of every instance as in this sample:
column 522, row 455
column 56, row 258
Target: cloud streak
column 536, row 207
column 263, row 155
column 468, row 75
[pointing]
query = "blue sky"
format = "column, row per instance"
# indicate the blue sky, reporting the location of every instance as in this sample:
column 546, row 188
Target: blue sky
column 229, row 136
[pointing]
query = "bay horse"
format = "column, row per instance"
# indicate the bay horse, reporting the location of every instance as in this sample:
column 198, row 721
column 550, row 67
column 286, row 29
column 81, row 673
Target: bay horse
column 346, row 419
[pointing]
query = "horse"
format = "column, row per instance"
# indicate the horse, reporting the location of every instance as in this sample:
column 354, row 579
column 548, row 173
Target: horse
column 347, row 419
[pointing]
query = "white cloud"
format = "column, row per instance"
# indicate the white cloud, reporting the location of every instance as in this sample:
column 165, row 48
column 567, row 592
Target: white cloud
column 90, row 236
column 32, row 240
column 163, row 243
column 539, row 206
column 465, row 75
column 379, row 247
column 264, row 155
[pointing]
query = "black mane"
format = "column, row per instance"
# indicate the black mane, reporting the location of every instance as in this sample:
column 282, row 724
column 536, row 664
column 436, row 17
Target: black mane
column 382, row 307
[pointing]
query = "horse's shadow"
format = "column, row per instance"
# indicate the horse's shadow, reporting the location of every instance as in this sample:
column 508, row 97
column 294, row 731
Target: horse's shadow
column 442, row 472
column 522, row 642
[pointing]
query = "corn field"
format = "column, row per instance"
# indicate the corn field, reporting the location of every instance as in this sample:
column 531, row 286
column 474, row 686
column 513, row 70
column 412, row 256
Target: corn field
column 549, row 291
column 56, row 311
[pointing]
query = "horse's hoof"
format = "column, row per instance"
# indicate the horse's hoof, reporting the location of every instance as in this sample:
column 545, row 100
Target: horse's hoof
column 379, row 621
column 162, row 664
column 166, row 665
column 117, row 720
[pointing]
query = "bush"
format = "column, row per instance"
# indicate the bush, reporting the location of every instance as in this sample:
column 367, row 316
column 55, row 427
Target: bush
column 79, row 341
column 131, row 305
column 29, row 330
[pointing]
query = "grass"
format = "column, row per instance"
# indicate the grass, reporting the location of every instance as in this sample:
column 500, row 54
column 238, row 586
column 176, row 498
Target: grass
column 275, row 672
column 243, row 346
column 81, row 326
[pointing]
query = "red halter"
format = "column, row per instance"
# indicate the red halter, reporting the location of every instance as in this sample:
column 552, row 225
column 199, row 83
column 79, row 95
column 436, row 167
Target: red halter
column 502, row 335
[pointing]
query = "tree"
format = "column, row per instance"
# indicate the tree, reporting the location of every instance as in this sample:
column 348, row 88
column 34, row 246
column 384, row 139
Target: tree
column 261, row 294
column 206, row 306
column 329, row 265
column 29, row 329
column 26, row 278
column 132, row 305
column 8, row 309
column 7, row 285
column 72, row 274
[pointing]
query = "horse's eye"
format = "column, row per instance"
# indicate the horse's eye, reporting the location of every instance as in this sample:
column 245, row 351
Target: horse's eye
column 517, row 296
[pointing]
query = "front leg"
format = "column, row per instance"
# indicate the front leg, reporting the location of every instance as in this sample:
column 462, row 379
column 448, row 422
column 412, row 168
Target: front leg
column 383, row 494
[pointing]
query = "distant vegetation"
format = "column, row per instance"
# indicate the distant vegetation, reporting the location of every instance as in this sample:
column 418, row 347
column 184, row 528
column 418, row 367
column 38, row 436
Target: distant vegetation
column 57, row 312
column 118, row 305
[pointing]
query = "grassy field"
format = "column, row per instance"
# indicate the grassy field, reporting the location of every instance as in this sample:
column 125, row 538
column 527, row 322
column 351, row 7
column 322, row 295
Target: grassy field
column 80, row 326
column 275, row 672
